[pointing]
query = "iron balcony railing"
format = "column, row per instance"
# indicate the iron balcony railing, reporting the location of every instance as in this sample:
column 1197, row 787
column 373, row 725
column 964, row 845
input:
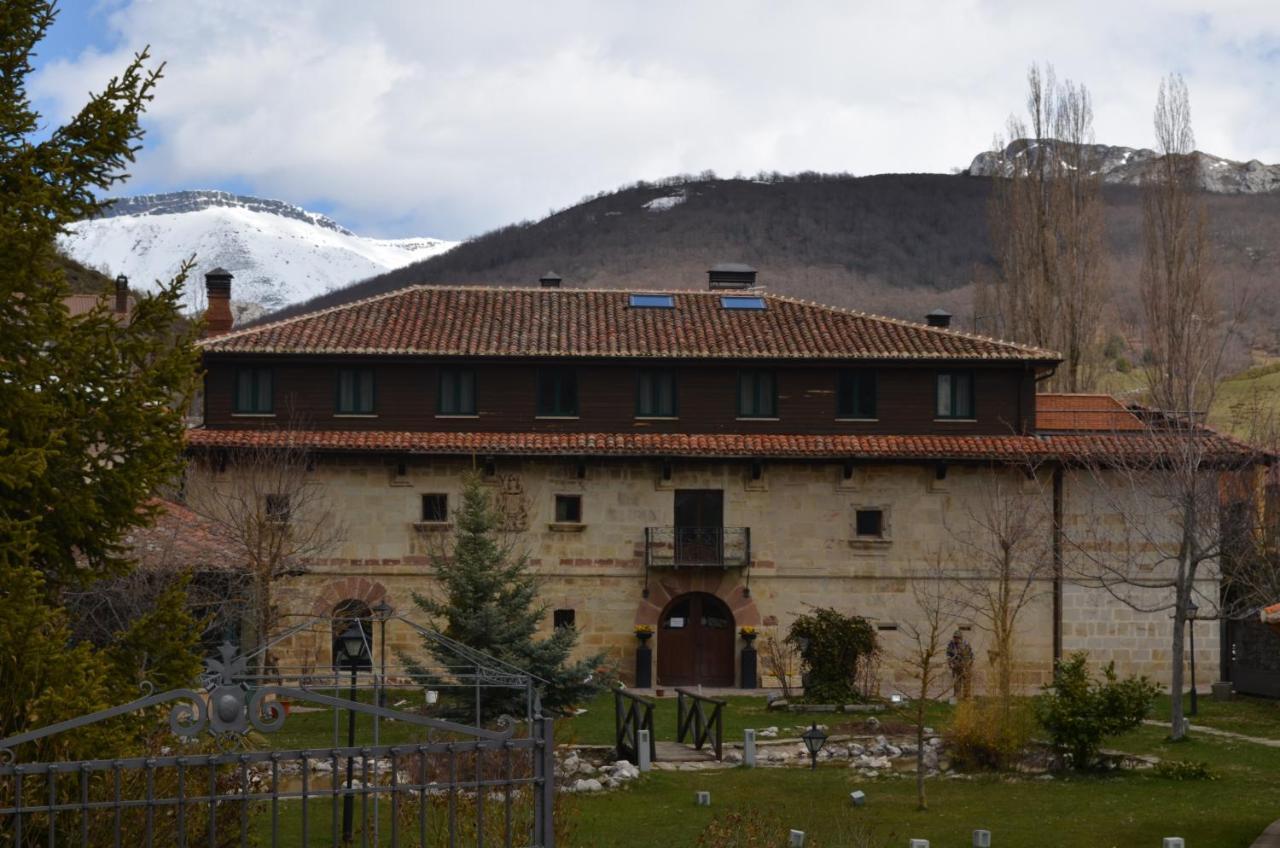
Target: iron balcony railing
column 697, row 547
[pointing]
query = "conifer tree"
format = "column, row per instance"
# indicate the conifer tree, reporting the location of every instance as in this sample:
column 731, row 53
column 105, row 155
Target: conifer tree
column 90, row 407
column 488, row 601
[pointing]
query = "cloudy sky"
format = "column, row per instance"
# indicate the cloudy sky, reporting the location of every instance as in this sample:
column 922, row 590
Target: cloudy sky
column 414, row 117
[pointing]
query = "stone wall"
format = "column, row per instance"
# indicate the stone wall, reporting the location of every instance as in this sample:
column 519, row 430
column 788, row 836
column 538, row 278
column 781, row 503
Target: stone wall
column 805, row 552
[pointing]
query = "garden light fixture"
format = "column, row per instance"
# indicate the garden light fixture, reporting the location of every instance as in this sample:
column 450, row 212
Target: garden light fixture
column 814, row 740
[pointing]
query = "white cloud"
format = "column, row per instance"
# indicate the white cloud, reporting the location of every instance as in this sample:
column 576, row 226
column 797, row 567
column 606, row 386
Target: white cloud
column 447, row 119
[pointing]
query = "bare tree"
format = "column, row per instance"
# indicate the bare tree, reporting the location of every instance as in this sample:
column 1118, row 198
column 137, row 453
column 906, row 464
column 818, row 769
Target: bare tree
column 924, row 656
column 1001, row 548
column 265, row 500
column 1184, row 331
column 1164, row 492
column 1047, row 231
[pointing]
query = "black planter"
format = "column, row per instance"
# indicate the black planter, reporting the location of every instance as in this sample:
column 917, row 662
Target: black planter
column 749, row 680
column 644, row 666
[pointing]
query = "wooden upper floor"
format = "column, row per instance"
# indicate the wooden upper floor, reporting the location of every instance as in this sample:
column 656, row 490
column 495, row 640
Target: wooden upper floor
column 569, row 396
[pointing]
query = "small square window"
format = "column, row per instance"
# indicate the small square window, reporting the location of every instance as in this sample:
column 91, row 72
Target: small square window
column 435, row 508
column 870, row 523
column 278, row 509
column 558, row 392
column 457, row 394
column 563, row 618
column 568, row 509
column 954, row 395
column 253, row 391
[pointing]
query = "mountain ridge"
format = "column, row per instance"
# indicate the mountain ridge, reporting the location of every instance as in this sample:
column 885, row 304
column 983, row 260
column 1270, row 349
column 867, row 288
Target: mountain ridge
column 280, row 253
column 1130, row 166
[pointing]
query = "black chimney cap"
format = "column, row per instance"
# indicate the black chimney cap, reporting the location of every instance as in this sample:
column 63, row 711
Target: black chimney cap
column 731, row 275
column 550, row 280
column 938, row 318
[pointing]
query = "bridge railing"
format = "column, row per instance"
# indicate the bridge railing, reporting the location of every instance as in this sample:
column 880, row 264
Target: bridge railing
column 694, row 725
column 632, row 713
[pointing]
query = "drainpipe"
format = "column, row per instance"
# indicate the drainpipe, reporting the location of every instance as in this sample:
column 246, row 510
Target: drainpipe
column 1057, row 563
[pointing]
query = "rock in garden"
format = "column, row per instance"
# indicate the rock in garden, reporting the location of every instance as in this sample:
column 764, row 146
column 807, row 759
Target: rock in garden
column 587, row 785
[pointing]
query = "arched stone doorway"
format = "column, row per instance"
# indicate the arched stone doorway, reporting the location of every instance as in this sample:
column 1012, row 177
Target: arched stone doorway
column 696, row 641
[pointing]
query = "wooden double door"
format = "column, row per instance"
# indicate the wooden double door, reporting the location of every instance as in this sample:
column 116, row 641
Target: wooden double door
column 696, row 642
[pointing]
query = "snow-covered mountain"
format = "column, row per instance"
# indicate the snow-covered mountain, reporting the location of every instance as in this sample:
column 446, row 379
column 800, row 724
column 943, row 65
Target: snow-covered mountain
column 278, row 252
column 1127, row 166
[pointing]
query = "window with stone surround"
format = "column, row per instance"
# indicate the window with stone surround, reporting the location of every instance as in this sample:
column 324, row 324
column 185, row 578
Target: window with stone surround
column 869, row 523
column 568, row 509
column 435, row 508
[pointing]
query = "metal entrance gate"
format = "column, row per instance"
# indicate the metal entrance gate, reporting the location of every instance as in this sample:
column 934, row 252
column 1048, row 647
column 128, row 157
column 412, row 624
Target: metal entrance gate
column 204, row 781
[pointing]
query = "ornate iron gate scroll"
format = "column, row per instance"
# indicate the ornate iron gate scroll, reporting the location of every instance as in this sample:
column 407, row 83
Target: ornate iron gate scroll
column 461, row 785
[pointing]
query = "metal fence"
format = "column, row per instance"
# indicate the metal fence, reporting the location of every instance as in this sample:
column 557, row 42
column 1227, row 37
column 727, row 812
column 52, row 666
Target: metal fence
column 208, row 779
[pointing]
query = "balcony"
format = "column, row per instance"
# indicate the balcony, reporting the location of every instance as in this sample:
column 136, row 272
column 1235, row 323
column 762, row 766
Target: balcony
column 697, row 547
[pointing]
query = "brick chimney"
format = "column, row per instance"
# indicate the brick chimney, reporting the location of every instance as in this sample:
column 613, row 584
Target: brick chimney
column 731, row 275
column 550, row 280
column 122, row 295
column 938, row 318
column 217, row 316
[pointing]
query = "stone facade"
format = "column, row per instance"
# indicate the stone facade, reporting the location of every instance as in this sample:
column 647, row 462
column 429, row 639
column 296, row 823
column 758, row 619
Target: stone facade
column 805, row 551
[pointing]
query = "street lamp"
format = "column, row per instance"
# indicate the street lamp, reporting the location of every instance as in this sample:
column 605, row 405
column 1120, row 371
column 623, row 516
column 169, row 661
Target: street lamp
column 352, row 650
column 1192, row 609
column 383, row 611
column 814, row 739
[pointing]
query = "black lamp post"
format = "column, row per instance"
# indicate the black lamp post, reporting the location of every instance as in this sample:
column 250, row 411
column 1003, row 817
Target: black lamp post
column 814, row 739
column 352, row 649
column 1192, row 609
column 383, row 612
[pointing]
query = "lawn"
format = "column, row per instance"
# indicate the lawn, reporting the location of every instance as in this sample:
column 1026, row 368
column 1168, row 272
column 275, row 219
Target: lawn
column 1242, row 714
column 1129, row 809
column 1132, row 809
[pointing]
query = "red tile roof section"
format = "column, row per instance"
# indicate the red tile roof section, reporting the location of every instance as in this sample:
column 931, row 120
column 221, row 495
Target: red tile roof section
column 1080, row 446
column 503, row 322
column 183, row 539
column 1084, row 412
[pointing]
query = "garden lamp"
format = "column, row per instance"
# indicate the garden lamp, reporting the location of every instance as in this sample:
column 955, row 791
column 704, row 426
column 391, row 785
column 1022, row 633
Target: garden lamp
column 352, row 643
column 814, row 740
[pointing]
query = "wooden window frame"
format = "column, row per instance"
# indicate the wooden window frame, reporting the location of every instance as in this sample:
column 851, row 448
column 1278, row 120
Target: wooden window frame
column 971, row 413
column 851, row 379
column 641, row 412
column 754, row 374
column 456, row 371
column 560, row 375
column 567, row 499
column 358, row 375
column 256, row 373
column 445, row 501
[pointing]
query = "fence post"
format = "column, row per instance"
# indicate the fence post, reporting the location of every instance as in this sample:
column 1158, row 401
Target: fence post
column 544, row 766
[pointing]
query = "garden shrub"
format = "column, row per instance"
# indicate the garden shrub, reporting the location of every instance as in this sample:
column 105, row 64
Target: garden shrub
column 833, row 648
column 987, row 734
column 1078, row 712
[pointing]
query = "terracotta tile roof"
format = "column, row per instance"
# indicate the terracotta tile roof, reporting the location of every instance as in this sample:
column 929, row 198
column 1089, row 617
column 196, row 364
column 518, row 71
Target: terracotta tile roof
column 1084, row 412
column 1069, row 446
column 478, row 321
column 181, row 538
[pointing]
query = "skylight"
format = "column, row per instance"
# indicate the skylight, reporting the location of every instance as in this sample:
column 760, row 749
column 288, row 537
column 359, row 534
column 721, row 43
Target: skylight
column 740, row 302
column 652, row 301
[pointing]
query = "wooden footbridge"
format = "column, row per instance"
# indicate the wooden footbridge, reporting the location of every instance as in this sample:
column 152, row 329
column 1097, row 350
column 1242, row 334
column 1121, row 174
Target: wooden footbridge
column 699, row 727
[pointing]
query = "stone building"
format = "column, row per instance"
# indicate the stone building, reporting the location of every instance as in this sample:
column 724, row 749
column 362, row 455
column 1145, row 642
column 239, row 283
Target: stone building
column 697, row 461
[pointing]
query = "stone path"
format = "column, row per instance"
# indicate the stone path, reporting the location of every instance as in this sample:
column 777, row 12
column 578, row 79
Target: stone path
column 1224, row 734
column 1270, row 837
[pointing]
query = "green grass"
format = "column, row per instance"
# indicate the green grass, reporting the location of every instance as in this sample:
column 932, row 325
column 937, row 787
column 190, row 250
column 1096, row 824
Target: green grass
column 1242, row 714
column 1131, row 809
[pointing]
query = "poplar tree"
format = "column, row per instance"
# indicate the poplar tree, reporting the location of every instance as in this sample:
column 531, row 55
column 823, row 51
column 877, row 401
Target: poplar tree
column 488, row 601
column 91, row 407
